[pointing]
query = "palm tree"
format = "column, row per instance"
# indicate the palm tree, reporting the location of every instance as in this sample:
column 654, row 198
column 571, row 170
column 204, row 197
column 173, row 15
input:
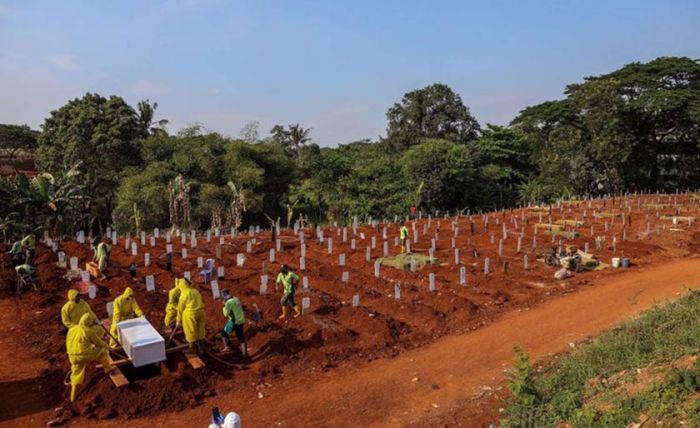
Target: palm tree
column 298, row 137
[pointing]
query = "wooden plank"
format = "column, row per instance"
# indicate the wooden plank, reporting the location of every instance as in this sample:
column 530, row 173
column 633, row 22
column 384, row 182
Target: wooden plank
column 117, row 376
column 194, row 360
column 191, row 356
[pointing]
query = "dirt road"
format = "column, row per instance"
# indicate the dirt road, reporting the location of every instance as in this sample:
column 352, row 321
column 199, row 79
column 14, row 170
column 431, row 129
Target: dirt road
column 422, row 386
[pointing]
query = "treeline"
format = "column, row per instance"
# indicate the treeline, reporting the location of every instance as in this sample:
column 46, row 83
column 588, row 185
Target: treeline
column 105, row 162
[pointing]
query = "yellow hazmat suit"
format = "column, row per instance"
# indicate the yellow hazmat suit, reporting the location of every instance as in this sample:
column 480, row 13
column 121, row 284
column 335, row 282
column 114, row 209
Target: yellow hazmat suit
column 84, row 346
column 125, row 308
column 171, row 312
column 71, row 312
column 191, row 309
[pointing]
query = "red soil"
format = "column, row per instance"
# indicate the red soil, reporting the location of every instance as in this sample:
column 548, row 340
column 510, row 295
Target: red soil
column 331, row 333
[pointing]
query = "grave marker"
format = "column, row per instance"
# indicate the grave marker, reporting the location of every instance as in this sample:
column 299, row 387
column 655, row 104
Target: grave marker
column 263, row 284
column 216, row 294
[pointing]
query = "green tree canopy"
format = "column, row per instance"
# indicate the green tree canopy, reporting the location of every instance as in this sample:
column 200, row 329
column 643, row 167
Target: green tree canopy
column 16, row 138
column 431, row 112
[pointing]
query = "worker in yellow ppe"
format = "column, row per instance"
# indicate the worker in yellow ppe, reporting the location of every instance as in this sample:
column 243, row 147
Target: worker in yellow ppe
column 74, row 309
column 171, row 313
column 289, row 281
column 102, row 256
column 125, row 308
column 403, row 236
column 192, row 316
column 84, row 346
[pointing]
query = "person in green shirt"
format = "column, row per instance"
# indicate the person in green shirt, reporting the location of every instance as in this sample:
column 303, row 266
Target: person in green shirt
column 16, row 253
column 28, row 243
column 403, row 235
column 289, row 281
column 25, row 276
column 233, row 310
column 102, row 251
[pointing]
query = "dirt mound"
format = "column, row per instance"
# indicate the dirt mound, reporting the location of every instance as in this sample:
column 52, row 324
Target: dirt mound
column 169, row 386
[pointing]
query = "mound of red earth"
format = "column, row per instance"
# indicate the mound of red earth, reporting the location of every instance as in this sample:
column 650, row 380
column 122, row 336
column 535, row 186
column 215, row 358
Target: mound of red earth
column 332, row 331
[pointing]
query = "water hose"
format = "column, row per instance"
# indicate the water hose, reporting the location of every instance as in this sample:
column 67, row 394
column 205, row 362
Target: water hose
column 206, row 351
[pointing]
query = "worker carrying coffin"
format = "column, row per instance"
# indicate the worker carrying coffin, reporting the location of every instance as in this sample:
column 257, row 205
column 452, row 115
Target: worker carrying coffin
column 172, row 315
column 193, row 319
column 83, row 346
column 125, row 308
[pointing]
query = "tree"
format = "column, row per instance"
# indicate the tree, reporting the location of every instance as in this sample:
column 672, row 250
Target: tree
column 292, row 140
column 504, row 159
column 146, row 115
column 635, row 128
column 431, row 112
column 16, row 138
column 249, row 132
column 446, row 171
column 102, row 136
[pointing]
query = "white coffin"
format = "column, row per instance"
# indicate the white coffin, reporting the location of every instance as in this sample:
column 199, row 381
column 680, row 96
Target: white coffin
column 141, row 342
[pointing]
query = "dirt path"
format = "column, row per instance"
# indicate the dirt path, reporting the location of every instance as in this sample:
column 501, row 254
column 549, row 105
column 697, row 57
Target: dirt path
column 421, row 387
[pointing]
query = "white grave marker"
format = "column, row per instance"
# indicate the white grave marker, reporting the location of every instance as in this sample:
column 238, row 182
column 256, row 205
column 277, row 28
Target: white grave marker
column 216, row 294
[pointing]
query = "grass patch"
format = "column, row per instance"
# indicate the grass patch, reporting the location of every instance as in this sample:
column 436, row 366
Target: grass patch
column 575, row 223
column 548, row 226
column 565, row 391
column 568, row 234
column 403, row 261
column 607, row 215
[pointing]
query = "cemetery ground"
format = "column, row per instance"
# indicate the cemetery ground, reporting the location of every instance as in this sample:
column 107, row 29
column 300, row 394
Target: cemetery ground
column 382, row 350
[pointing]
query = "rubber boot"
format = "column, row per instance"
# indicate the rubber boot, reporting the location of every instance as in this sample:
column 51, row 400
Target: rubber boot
column 200, row 347
column 73, row 390
column 227, row 344
column 284, row 312
column 244, row 350
column 297, row 311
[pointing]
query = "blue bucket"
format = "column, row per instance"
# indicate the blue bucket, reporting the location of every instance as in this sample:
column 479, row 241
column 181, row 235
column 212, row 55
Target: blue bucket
column 625, row 262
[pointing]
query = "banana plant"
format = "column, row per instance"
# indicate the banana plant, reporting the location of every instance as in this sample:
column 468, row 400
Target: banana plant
column 137, row 216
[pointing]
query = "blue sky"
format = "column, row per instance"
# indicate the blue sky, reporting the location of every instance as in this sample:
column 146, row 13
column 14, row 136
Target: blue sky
column 335, row 66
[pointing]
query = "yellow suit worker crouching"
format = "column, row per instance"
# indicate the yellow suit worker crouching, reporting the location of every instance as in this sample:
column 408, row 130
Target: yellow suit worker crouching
column 191, row 310
column 83, row 346
column 171, row 312
column 125, row 308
